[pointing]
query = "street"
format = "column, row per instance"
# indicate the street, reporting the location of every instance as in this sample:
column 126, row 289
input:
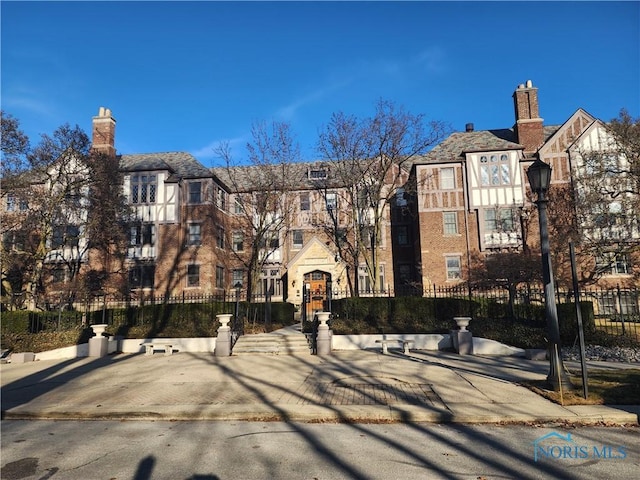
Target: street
column 141, row 450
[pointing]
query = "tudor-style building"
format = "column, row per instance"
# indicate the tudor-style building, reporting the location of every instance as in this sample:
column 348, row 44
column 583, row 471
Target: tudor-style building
column 472, row 195
column 467, row 197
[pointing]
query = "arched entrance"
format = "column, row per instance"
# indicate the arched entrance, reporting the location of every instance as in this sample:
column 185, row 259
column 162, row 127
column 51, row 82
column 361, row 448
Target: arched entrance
column 318, row 292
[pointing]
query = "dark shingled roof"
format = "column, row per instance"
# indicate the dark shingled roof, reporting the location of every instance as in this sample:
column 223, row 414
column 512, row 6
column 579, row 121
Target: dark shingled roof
column 297, row 175
column 457, row 144
column 179, row 164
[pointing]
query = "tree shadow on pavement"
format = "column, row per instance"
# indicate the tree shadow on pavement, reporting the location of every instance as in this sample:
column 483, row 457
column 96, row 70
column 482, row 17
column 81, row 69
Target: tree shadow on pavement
column 466, row 447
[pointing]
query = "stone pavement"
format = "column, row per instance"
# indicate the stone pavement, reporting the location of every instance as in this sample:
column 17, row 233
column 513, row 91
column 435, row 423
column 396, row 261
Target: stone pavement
column 347, row 386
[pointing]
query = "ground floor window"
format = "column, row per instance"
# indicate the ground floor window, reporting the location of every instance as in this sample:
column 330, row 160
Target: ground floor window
column 219, row 277
column 454, row 267
column 193, row 275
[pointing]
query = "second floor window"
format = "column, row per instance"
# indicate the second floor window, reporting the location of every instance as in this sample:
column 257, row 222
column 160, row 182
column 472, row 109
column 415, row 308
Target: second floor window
column 143, row 189
column 195, row 192
column 450, row 220
column 499, row 220
column 298, row 238
column 194, row 235
column 65, row 236
column 143, row 234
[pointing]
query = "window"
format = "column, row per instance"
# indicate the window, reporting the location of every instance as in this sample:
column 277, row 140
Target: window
column 65, row 236
column 613, row 263
column 238, row 278
column 404, row 274
column 298, row 238
column 447, row 178
column 495, row 171
column 453, row 267
column 403, row 235
column 220, row 237
column 401, row 201
column 194, row 235
column 11, row 203
column 304, row 202
column 316, row 174
column 219, row 277
column 193, row 275
column 221, row 198
column 195, row 192
column 58, row 275
column 237, row 206
column 15, row 240
column 237, row 241
column 499, row 220
column 143, row 234
column 143, row 189
column 450, row 220
column 365, row 284
column 332, row 201
column 142, row 276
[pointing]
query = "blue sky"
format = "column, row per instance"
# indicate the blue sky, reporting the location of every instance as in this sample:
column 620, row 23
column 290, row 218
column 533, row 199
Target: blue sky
column 184, row 76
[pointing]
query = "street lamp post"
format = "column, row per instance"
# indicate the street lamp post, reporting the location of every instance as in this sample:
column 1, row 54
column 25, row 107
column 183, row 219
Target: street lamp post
column 539, row 175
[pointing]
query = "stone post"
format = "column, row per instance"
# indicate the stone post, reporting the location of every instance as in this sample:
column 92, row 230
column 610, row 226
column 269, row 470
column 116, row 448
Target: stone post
column 324, row 334
column 463, row 338
column 223, row 341
column 99, row 345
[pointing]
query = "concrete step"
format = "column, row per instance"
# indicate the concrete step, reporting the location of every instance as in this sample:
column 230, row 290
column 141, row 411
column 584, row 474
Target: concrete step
column 271, row 344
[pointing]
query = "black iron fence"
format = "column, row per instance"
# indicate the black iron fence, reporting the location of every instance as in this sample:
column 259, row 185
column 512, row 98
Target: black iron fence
column 616, row 311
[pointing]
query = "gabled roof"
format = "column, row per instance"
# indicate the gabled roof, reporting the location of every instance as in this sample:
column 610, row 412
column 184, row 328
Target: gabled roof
column 453, row 148
column 564, row 135
column 178, row 164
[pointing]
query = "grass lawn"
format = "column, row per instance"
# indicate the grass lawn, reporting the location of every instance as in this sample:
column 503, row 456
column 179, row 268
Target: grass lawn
column 606, row 387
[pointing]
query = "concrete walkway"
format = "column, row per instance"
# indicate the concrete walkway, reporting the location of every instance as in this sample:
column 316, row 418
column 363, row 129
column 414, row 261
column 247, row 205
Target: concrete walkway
column 348, row 386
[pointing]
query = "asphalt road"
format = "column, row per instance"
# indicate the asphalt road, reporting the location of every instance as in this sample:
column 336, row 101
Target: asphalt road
column 142, row 450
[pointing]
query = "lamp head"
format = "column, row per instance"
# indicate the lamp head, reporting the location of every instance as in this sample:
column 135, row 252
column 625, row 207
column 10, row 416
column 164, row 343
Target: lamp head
column 539, row 175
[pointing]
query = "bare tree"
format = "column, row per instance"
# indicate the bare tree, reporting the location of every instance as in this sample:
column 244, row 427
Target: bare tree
column 61, row 201
column 369, row 160
column 261, row 214
column 607, row 196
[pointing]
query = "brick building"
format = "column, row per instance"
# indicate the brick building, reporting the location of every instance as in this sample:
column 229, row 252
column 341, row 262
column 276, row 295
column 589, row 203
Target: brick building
column 467, row 197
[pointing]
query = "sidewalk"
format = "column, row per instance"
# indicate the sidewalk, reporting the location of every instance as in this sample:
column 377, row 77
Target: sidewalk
column 348, row 386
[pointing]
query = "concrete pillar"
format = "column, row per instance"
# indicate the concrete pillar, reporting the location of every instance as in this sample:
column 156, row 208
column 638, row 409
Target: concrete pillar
column 223, row 341
column 463, row 338
column 99, row 345
column 323, row 341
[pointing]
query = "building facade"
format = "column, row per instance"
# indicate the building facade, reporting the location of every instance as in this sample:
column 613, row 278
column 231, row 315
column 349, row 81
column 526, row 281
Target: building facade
column 193, row 230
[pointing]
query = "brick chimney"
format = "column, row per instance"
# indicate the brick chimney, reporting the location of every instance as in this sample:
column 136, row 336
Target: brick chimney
column 104, row 133
column 528, row 127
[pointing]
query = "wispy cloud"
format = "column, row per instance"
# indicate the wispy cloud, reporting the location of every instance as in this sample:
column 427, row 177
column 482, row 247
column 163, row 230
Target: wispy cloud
column 25, row 100
column 289, row 111
column 433, row 60
column 236, row 145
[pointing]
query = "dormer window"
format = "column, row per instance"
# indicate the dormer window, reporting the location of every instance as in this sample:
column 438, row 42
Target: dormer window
column 318, row 174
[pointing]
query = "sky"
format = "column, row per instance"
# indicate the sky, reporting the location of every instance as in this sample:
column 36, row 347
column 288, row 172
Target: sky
column 187, row 76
